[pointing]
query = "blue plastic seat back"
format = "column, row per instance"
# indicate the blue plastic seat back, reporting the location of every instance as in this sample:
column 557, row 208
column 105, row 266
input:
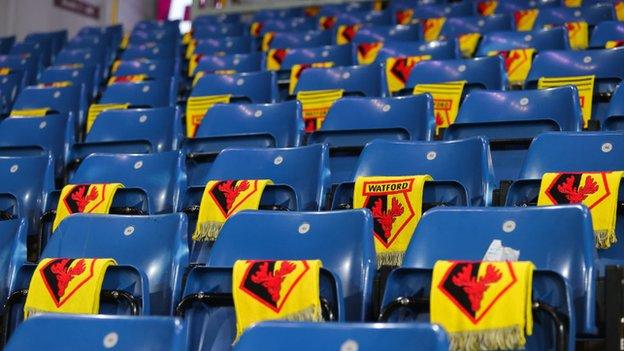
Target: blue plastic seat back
column 455, row 26
column 480, row 73
column 151, row 93
column 304, row 169
column 411, row 114
column 155, row 69
column 26, row 64
column 85, row 75
column 467, row 162
column 156, row 246
column 63, row 100
column 13, row 234
column 257, row 87
column 169, row 25
column 281, row 121
column 286, row 40
column 268, row 14
column 560, row 15
column 438, row 50
column 333, row 9
column 36, row 136
column 224, row 45
column 340, row 55
column 466, row 234
column 540, row 40
column 615, row 114
column 142, row 36
column 360, row 80
column 287, row 25
column 275, row 336
column 511, row 6
column 606, row 31
column 149, row 51
column 5, row 44
column 156, row 126
column 463, row 8
column 10, row 86
column 87, row 333
column 82, row 56
column 40, row 51
column 558, row 106
column 573, row 152
column 221, row 18
column 350, row 256
column 605, row 65
column 238, row 62
column 26, row 181
column 57, row 39
column 370, row 34
column 205, row 31
column 365, row 16
column 160, row 176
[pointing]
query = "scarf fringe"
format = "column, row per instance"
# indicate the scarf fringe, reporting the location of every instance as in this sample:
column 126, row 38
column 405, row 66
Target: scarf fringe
column 208, row 231
column 308, row 314
column 510, row 338
column 605, row 238
column 391, row 258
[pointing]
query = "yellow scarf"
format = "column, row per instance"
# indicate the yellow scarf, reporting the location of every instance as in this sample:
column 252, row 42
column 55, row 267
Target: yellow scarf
column 525, row 19
column 4, row 71
column 396, row 205
column 275, row 290
column 315, row 105
column 267, row 38
column 487, row 8
column 274, row 59
column 196, row 108
column 84, row 198
column 578, row 34
column 432, row 28
column 66, row 285
column 619, row 10
column 346, row 33
column 59, row 84
column 30, row 112
column 96, row 109
column 517, row 63
column 223, row 198
column 297, row 69
column 130, row 78
column 367, row 52
column 468, row 43
column 446, row 98
column 398, row 70
column 584, row 85
column 483, row 305
column 596, row 190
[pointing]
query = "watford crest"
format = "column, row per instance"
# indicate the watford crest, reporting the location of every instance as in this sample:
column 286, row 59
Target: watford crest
column 84, row 198
column 271, row 282
column 390, row 206
column 230, row 194
column 62, row 277
column 575, row 188
column 367, row 52
column 474, row 287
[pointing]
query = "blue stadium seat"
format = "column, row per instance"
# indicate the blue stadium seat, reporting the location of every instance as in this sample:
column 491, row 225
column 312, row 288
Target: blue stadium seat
column 134, row 131
column 340, row 55
column 425, row 11
column 300, row 174
column 84, row 75
column 364, row 17
column 81, row 56
column 5, row 44
column 560, row 15
column 154, row 183
column 540, row 40
column 13, row 233
column 466, row 234
column 153, row 69
column 224, row 45
column 480, row 73
column 26, row 64
column 456, row 26
column 205, row 31
column 349, row 258
column 257, row 87
column 36, row 51
column 10, row 86
column 159, row 35
column 57, row 39
column 151, row 50
column 275, row 336
column 90, row 333
column 355, row 80
column 606, row 31
column 247, row 125
column 438, row 50
column 284, row 40
column 151, row 93
column 615, row 114
column 604, row 64
column 238, row 62
column 26, row 183
column 267, row 14
column 406, row 118
column 169, row 25
column 370, row 34
column 511, row 6
column 286, row 25
column 216, row 19
column 572, row 152
column 462, row 170
column 511, row 119
column 154, row 245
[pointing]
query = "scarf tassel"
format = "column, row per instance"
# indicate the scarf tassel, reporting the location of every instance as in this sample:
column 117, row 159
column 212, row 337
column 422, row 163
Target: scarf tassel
column 510, row 338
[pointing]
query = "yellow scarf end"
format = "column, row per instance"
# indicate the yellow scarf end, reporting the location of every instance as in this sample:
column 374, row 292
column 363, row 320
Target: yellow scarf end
column 311, row 313
column 510, row 338
column 605, row 238
column 390, row 258
column 207, row 231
